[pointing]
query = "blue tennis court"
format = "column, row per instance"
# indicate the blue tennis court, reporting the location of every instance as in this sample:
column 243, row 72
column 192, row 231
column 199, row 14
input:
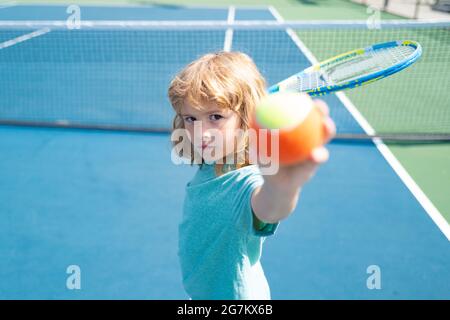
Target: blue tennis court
column 110, row 202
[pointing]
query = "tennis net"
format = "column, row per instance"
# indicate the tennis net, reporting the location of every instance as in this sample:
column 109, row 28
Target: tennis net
column 114, row 74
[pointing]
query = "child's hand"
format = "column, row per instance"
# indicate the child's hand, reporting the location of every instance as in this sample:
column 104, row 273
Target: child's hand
column 295, row 176
column 278, row 196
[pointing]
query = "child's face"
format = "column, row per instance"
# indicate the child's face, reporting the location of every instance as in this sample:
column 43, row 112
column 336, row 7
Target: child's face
column 212, row 130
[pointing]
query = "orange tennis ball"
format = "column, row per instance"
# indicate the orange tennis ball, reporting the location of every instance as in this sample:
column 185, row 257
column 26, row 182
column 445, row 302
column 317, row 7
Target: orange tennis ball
column 299, row 121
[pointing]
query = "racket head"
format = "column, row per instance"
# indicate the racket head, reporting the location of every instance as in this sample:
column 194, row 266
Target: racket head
column 353, row 69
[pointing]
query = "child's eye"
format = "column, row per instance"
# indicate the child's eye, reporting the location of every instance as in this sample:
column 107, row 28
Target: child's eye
column 189, row 119
column 215, row 117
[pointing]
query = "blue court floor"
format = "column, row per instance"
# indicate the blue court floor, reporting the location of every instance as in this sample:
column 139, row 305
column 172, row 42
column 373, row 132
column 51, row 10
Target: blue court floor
column 110, row 202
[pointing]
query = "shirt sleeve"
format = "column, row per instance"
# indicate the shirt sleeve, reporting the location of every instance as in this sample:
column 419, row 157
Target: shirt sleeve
column 244, row 211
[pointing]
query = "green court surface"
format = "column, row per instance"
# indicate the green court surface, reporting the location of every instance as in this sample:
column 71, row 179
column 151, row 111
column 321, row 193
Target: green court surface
column 429, row 167
column 386, row 103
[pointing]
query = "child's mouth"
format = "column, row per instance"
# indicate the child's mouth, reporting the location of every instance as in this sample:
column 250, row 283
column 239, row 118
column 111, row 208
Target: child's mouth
column 205, row 146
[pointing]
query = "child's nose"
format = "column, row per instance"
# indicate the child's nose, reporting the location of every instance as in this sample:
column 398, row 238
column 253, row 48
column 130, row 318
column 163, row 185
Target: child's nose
column 206, row 136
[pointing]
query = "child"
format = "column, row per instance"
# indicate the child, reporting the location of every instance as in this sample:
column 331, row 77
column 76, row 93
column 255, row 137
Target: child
column 229, row 209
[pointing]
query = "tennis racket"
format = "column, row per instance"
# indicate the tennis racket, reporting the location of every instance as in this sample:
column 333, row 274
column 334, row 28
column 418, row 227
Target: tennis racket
column 353, row 69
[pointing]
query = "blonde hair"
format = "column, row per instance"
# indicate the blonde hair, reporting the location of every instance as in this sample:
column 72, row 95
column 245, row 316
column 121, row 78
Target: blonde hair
column 227, row 79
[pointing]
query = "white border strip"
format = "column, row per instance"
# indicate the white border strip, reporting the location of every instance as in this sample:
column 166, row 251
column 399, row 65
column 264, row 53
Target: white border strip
column 229, row 33
column 409, row 182
column 24, row 37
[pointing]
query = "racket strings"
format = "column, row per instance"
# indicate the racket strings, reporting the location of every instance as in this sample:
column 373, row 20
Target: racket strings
column 372, row 61
column 312, row 80
column 347, row 70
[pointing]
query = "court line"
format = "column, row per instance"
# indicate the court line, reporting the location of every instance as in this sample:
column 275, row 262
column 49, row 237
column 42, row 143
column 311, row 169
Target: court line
column 229, row 33
column 24, row 37
column 387, row 154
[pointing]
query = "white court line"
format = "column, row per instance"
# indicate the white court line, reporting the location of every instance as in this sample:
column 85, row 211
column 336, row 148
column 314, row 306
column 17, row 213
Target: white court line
column 24, row 37
column 229, row 33
column 409, row 182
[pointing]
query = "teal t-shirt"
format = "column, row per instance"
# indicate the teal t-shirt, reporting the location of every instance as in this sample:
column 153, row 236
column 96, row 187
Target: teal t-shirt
column 219, row 249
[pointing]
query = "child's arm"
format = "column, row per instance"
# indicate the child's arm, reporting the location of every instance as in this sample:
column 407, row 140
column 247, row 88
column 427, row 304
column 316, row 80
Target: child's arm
column 277, row 197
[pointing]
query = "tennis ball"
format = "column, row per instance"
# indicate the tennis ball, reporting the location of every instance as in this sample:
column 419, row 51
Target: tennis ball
column 299, row 122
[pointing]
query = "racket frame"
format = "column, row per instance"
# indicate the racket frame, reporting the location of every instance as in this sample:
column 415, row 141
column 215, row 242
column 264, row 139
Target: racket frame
column 366, row 79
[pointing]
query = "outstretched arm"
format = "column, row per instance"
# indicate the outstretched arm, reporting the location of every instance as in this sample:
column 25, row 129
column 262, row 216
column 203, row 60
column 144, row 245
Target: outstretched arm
column 277, row 198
